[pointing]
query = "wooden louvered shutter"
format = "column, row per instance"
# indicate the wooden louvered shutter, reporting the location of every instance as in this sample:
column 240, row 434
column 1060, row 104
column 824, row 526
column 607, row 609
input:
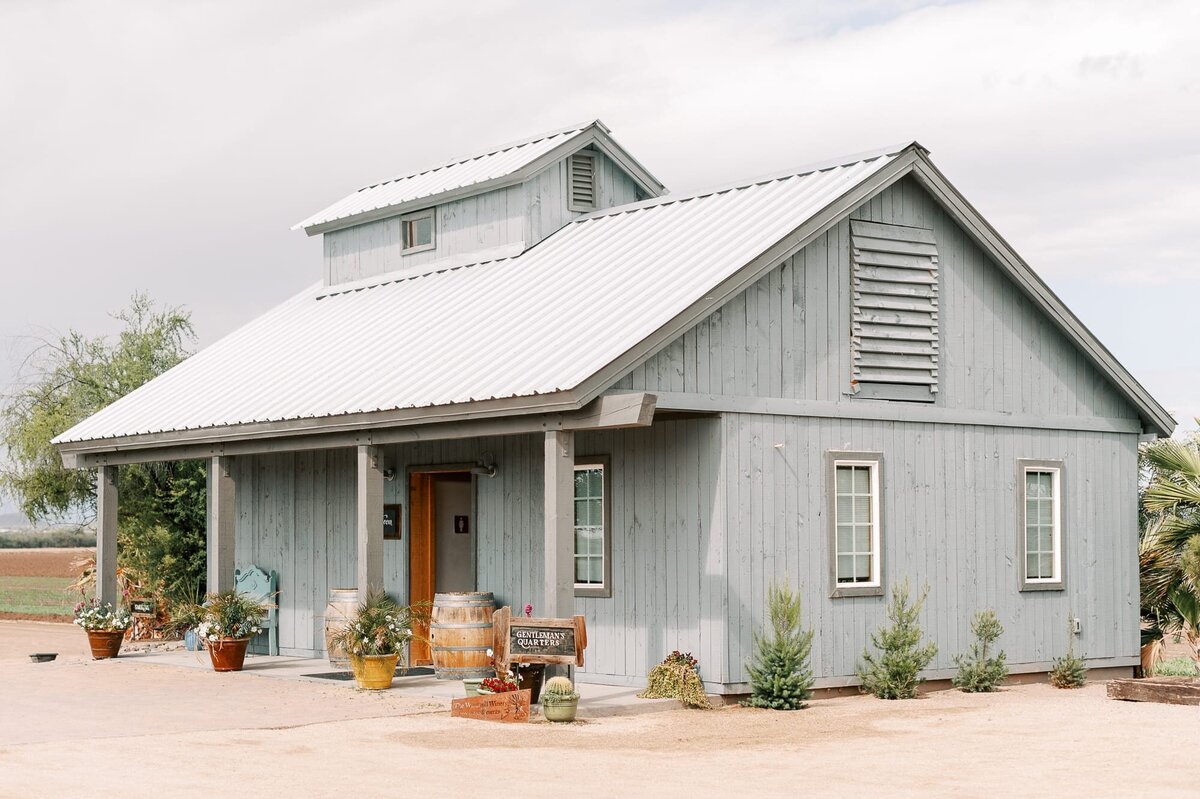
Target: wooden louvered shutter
column 894, row 335
column 582, row 179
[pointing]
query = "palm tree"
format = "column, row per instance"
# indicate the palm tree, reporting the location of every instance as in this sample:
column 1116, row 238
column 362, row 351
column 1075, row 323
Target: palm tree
column 1169, row 546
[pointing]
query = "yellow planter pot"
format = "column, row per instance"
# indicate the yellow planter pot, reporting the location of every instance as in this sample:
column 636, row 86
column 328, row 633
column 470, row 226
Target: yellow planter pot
column 374, row 672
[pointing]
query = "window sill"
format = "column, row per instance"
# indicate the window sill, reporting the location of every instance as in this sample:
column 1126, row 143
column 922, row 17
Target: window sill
column 418, row 248
column 593, row 591
column 856, row 590
column 1033, row 587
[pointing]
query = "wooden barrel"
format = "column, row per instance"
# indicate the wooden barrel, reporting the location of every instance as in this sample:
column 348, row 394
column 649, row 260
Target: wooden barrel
column 342, row 604
column 461, row 635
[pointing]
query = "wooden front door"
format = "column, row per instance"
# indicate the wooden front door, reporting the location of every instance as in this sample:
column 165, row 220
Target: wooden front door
column 439, row 502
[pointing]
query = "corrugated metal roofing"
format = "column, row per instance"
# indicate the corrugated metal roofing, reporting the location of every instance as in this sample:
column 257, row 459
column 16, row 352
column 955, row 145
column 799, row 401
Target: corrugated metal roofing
column 539, row 323
column 457, row 174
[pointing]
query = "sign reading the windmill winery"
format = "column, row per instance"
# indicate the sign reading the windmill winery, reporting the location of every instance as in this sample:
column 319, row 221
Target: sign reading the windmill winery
column 526, row 640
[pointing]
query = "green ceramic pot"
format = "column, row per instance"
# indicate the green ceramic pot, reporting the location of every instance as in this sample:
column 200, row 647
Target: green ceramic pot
column 556, row 709
column 472, row 686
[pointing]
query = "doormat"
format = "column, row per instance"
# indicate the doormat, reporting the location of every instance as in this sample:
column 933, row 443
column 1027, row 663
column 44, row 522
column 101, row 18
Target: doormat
column 419, row 671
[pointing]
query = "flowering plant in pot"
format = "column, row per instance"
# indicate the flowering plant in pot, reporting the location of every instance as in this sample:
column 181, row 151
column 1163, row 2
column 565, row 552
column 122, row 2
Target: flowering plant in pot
column 498, row 685
column 105, row 626
column 559, row 700
column 227, row 622
column 376, row 637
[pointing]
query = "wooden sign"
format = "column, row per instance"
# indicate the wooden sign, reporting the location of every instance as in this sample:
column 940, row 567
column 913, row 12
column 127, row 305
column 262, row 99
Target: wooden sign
column 391, row 522
column 509, row 707
column 143, row 608
column 549, row 641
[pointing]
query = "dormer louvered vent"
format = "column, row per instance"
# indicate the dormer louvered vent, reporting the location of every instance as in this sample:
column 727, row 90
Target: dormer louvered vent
column 894, row 336
column 582, row 180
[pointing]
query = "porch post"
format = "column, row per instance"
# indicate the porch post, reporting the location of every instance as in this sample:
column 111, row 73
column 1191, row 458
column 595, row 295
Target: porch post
column 220, row 524
column 369, row 510
column 559, row 545
column 106, row 534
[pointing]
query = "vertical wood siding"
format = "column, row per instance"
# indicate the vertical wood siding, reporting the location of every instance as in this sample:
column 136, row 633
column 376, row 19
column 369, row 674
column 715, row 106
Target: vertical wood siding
column 788, row 334
column 526, row 212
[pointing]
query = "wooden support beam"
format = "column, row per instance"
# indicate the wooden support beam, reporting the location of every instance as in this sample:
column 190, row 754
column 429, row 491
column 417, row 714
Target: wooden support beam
column 559, row 543
column 369, row 515
column 220, row 524
column 106, row 534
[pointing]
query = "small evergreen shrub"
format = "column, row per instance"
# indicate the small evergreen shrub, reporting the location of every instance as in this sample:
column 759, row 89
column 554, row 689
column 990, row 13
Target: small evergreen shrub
column 677, row 677
column 892, row 674
column 780, row 675
column 980, row 671
column 1069, row 671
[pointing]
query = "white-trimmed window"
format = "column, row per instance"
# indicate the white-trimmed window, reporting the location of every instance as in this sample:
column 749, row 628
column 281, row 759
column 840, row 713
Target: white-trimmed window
column 417, row 232
column 592, row 540
column 855, row 529
column 1041, row 551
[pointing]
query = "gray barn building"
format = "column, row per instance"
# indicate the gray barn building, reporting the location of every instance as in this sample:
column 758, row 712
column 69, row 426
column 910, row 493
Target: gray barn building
column 587, row 394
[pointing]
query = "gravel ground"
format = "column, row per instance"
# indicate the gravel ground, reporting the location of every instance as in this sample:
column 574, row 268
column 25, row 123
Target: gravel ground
column 135, row 729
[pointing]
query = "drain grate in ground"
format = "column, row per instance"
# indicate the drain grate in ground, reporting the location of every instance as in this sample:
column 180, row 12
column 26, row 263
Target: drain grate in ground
column 419, row 671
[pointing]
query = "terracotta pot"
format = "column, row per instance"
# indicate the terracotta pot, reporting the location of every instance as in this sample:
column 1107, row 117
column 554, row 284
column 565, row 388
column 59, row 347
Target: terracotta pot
column 374, row 672
column 228, row 654
column 105, row 643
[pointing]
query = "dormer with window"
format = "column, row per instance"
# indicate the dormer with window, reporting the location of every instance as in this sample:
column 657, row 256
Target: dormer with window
column 489, row 206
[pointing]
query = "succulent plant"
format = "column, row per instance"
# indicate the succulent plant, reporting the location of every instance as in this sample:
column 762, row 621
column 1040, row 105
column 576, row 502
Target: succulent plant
column 559, row 689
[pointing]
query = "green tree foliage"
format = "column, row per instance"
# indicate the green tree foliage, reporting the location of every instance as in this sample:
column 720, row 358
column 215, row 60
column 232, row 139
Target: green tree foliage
column 1068, row 671
column 892, row 674
column 67, row 379
column 677, row 677
column 1169, row 545
column 780, row 675
column 981, row 671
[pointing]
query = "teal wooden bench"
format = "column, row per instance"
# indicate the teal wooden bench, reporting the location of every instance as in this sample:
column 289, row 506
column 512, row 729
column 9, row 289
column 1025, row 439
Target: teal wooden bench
column 257, row 583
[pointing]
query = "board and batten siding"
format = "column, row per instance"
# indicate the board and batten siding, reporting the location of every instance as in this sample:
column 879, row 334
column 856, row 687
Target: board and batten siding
column 788, row 335
column 526, row 212
column 949, row 511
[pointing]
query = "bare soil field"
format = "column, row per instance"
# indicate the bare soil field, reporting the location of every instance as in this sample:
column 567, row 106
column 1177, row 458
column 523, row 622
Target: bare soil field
column 128, row 727
column 33, row 583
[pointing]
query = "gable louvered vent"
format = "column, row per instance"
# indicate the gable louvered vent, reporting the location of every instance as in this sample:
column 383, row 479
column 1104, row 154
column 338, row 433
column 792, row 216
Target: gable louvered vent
column 894, row 335
column 582, row 177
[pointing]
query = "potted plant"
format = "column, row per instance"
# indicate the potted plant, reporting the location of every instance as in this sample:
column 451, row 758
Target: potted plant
column 497, row 685
column 105, row 627
column 184, row 620
column 559, row 700
column 376, row 637
column 228, row 621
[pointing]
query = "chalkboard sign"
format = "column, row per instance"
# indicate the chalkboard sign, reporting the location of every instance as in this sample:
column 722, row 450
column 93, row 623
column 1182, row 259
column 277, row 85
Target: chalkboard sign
column 550, row 641
column 143, row 608
column 391, row 522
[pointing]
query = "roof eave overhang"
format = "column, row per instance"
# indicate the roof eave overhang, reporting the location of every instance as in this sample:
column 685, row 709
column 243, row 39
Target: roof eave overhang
column 558, row 411
column 595, row 134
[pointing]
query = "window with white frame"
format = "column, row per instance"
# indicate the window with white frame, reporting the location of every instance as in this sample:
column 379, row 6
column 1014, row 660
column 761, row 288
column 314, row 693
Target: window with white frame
column 416, row 232
column 1041, row 528
column 592, row 544
column 855, row 524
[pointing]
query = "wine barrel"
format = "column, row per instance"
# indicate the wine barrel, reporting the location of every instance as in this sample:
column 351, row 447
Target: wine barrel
column 461, row 635
column 342, row 604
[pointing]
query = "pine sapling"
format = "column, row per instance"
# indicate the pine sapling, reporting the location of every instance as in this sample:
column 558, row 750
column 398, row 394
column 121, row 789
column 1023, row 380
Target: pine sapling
column 979, row 671
column 1069, row 671
column 892, row 674
column 780, row 675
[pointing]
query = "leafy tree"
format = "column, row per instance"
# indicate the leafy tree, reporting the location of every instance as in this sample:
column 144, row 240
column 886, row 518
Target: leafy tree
column 780, row 675
column 980, row 671
column 65, row 380
column 893, row 673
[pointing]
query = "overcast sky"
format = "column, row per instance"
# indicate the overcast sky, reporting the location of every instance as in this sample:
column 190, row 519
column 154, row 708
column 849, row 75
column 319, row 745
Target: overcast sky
column 169, row 147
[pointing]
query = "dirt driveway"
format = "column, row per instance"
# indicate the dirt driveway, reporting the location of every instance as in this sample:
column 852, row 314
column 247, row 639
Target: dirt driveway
column 129, row 728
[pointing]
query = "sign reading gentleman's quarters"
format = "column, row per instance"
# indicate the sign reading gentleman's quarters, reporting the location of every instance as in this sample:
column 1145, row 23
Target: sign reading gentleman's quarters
column 525, row 640
column 391, row 522
column 143, row 608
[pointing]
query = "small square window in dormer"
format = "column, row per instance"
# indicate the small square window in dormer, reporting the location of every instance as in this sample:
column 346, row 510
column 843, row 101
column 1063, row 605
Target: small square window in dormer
column 581, row 180
column 416, row 232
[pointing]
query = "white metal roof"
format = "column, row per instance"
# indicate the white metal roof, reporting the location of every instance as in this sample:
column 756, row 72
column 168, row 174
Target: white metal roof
column 490, row 167
column 539, row 323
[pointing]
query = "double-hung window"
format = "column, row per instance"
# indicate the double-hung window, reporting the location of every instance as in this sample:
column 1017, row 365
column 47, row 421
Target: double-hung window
column 856, row 567
column 1040, row 555
column 593, row 545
